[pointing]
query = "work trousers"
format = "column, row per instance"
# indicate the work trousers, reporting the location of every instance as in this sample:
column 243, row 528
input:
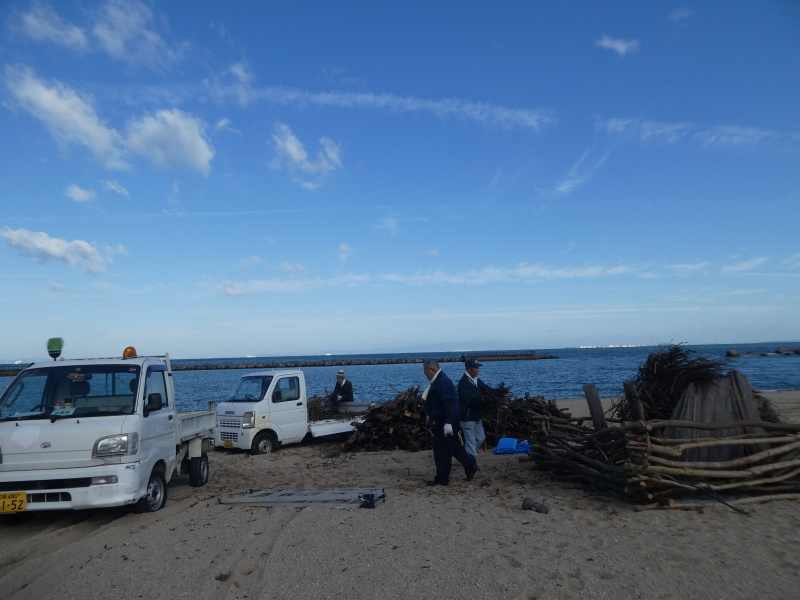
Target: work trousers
column 445, row 447
column 473, row 436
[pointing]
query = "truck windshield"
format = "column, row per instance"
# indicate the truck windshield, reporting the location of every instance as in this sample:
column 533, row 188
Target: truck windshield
column 63, row 392
column 250, row 389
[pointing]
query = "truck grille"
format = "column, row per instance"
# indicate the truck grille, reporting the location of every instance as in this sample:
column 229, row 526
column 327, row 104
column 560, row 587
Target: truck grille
column 51, row 484
column 228, row 435
column 235, row 423
column 50, row 497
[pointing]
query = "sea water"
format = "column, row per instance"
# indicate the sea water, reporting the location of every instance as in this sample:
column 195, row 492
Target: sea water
column 562, row 377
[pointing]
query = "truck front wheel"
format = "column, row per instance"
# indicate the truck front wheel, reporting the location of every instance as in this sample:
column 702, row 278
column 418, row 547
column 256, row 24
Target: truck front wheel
column 264, row 444
column 198, row 471
column 156, row 496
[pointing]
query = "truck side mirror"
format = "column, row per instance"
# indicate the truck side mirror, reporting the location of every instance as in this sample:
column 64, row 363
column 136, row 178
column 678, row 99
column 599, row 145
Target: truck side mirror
column 154, row 402
column 277, row 396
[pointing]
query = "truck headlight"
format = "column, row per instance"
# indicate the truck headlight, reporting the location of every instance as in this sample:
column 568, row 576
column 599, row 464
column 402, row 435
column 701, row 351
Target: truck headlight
column 249, row 420
column 116, row 445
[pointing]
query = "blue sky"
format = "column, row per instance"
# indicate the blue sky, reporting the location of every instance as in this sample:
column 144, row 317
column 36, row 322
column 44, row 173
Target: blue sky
column 285, row 178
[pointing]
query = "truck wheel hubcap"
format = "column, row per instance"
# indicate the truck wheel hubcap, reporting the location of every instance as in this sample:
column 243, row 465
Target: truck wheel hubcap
column 154, row 494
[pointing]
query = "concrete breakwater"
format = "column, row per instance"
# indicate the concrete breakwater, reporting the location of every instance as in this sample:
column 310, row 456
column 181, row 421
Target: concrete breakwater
column 368, row 361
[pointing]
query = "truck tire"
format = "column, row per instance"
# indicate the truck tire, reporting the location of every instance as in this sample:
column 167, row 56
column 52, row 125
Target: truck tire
column 264, row 443
column 198, row 471
column 156, row 496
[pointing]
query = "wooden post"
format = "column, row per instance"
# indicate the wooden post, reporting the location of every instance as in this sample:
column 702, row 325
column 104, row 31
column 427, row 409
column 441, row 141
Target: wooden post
column 595, row 407
column 637, row 410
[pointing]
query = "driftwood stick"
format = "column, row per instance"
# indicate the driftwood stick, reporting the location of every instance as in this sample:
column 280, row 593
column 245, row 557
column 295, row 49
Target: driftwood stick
column 737, row 462
column 742, row 474
column 595, row 406
column 706, row 443
column 745, row 436
column 637, row 410
column 722, row 486
column 651, row 425
column 737, row 502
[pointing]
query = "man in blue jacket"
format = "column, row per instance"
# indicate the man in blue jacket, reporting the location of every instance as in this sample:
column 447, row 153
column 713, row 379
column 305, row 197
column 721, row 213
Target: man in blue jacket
column 471, row 405
column 442, row 403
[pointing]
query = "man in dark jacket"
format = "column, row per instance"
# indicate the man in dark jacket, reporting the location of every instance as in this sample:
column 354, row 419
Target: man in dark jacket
column 470, row 400
column 442, row 403
column 343, row 392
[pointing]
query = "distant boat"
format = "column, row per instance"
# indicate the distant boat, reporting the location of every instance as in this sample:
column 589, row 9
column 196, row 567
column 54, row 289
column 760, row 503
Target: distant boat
column 250, row 356
column 19, row 362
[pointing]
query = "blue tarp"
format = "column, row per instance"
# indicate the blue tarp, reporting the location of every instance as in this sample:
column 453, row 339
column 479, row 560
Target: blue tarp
column 512, row 446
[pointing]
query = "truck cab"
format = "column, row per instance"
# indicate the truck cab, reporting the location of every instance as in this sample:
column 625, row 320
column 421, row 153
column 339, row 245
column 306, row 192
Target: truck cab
column 268, row 409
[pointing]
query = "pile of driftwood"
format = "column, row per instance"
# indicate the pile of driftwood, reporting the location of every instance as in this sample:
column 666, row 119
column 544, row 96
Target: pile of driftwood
column 714, row 440
column 401, row 424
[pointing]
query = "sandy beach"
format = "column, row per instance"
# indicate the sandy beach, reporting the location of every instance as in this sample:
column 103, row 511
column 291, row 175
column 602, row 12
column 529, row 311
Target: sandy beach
column 469, row 539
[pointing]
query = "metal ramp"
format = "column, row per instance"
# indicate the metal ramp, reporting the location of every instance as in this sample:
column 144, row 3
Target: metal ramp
column 301, row 498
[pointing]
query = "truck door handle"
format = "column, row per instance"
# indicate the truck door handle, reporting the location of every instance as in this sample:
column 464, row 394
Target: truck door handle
column 299, row 404
column 170, row 417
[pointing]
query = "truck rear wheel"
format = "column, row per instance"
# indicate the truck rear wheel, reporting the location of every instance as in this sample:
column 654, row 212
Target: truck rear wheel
column 156, row 496
column 198, row 471
column 264, row 444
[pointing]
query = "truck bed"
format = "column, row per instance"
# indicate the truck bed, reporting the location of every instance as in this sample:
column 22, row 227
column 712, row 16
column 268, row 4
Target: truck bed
column 332, row 426
column 196, row 423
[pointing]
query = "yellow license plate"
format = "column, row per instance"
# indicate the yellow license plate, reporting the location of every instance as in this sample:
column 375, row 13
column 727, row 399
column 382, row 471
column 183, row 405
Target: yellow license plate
column 227, row 443
column 12, row 501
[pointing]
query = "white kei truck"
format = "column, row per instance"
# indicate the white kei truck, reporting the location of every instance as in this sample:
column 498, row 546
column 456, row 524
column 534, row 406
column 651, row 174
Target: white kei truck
column 96, row 433
column 268, row 409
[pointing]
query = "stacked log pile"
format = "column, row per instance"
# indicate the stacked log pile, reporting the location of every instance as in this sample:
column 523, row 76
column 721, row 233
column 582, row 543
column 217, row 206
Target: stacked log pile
column 400, row 424
column 713, row 441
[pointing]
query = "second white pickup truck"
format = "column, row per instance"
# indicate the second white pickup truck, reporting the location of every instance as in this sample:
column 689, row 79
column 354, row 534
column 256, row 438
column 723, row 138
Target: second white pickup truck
column 268, row 409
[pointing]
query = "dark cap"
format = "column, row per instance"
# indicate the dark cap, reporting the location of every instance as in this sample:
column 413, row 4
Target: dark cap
column 472, row 363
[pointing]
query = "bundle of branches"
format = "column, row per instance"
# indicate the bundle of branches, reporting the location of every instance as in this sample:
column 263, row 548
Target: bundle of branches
column 398, row 424
column 662, row 379
column 320, row 408
column 506, row 416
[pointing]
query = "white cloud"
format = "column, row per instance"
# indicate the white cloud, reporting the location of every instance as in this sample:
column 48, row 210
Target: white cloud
column 747, row 265
column 432, row 252
column 679, row 14
column 122, row 30
column 344, row 251
column 56, row 287
column 296, row 270
column 171, row 137
column 231, row 288
column 391, row 224
column 225, row 125
column 644, row 130
column 112, row 186
column 42, row 23
column 249, row 261
column 621, row 47
column 682, row 269
column 70, row 118
column 734, row 136
column 792, row 262
column 41, row 247
column 481, row 112
column 580, row 173
column 242, row 80
column 79, row 194
column 292, row 155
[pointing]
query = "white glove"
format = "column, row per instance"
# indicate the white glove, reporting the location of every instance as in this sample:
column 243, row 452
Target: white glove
column 448, row 429
column 339, row 397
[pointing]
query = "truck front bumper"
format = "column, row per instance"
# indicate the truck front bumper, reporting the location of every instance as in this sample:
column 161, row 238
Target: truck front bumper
column 235, row 436
column 64, row 489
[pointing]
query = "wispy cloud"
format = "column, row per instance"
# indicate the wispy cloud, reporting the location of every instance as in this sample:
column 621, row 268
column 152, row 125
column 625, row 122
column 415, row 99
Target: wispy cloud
column 296, row 270
column 70, row 118
column 112, row 186
column 230, row 288
column 686, row 268
column 747, row 265
column 42, row 23
column 249, row 261
column 735, row 137
column 41, row 247
column 292, row 155
column 79, row 194
column 171, row 137
column 123, row 29
column 491, row 114
column 644, row 130
column 432, row 252
column 56, row 287
column 793, row 262
column 621, row 47
column 345, row 250
column 679, row 14
column 580, row 172
column 391, row 224
column 225, row 125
